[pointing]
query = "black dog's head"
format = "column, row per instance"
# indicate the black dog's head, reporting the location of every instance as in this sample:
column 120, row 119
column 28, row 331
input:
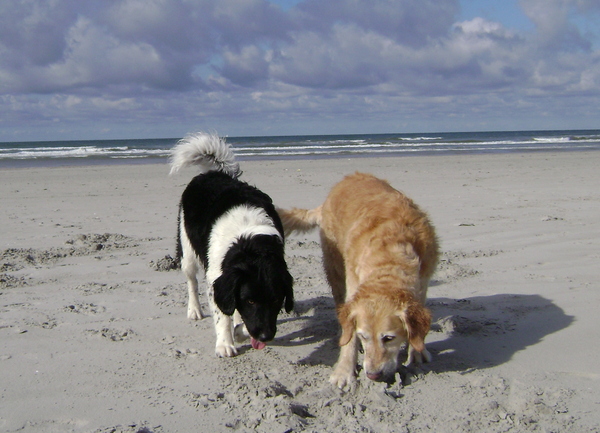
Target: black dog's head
column 255, row 281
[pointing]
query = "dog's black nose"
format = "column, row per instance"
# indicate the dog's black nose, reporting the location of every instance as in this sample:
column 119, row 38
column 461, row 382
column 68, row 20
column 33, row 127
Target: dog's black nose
column 265, row 336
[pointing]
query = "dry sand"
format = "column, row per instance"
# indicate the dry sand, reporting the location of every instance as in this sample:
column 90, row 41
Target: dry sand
column 94, row 335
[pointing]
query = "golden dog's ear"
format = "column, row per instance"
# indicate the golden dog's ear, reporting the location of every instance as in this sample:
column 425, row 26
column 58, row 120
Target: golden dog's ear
column 346, row 319
column 417, row 320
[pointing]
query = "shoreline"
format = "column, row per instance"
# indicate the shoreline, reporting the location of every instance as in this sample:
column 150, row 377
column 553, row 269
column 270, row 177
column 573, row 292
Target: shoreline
column 94, row 336
column 7, row 164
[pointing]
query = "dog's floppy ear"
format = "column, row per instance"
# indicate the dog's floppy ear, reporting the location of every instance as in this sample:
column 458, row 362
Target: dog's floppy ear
column 288, row 284
column 347, row 322
column 417, row 320
column 224, row 291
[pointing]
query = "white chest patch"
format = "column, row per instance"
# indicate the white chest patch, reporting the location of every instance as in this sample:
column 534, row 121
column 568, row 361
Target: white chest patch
column 240, row 221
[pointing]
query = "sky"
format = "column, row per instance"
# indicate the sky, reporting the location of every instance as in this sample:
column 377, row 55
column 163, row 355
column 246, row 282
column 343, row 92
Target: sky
column 97, row 69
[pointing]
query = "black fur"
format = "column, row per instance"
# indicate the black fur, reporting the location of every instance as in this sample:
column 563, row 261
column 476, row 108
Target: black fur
column 208, row 196
column 253, row 283
column 255, row 279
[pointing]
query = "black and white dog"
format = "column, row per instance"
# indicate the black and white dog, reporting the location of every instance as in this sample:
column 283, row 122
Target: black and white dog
column 233, row 231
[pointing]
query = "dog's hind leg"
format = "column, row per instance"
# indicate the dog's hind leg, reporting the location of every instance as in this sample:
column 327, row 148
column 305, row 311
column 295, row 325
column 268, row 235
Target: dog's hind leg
column 194, row 311
column 422, row 290
column 189, row 266
column 333, row 264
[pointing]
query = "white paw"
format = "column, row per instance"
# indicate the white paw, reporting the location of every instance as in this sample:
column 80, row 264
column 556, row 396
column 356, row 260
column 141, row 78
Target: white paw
column 225, row 351
column 195, row 313
column 343, row 379
column 416, row 358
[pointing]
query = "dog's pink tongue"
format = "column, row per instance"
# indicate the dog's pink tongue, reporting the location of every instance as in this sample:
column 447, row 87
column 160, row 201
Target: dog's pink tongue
column 257, row 344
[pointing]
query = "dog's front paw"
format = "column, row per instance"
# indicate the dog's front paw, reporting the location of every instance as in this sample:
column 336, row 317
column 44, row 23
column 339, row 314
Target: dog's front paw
column 343, row 379
column 417, row 358
column 240, row 333
column 225, row 351
column 194, row 313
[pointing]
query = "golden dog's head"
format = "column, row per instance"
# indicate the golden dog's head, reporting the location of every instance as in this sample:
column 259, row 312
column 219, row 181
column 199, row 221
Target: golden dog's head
column 383, row 322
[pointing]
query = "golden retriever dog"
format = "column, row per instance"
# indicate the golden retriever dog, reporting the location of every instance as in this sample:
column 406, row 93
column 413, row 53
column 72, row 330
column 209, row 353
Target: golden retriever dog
column 379, row 252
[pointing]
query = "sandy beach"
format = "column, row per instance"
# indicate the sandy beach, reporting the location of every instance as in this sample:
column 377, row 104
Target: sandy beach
column 94, row 335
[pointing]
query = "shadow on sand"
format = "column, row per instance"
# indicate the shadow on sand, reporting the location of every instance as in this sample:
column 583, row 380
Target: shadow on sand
column 471, row 333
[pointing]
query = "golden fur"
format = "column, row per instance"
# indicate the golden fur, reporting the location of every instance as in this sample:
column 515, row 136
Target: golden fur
column 379, row 252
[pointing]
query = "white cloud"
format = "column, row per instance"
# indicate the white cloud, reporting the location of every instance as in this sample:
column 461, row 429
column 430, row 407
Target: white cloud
column 200, row 60
column 93, row 58
column 247, row 67
column 555, row 29
column 117, row 104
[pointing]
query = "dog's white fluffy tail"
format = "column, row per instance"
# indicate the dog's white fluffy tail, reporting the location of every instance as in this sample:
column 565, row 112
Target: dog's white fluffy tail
column 208, row 151
column 299, row 220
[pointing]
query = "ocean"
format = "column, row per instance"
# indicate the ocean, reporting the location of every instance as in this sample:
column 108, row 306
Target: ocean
column 91, row 152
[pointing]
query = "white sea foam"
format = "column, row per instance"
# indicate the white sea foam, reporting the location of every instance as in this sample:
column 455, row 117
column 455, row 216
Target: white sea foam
column 312, row 146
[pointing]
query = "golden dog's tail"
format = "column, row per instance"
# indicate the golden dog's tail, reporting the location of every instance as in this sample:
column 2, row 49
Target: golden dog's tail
column 299, row 220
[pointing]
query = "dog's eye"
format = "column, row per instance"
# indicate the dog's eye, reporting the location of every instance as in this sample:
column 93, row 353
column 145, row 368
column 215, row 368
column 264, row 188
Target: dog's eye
column 387, row 338
column 250, row 301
